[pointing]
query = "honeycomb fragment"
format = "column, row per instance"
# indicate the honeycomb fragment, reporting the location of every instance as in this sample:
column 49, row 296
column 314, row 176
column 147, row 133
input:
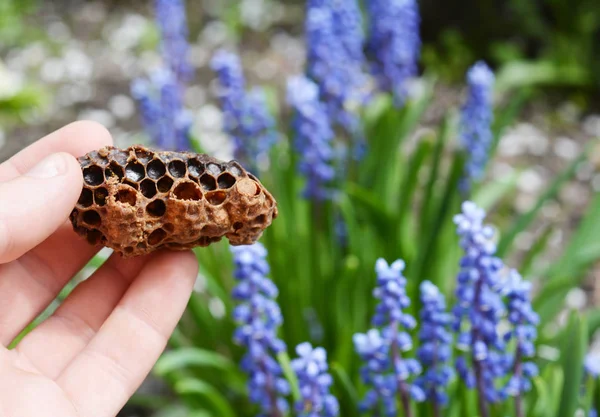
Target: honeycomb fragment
column 138, row 200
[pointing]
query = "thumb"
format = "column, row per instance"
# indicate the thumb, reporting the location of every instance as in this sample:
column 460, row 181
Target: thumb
column 35, row 204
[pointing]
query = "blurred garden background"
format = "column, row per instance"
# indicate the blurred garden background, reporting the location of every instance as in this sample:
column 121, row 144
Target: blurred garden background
column 69, row 60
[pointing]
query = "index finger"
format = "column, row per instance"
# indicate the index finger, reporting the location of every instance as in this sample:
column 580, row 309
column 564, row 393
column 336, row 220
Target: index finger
column 76, row 139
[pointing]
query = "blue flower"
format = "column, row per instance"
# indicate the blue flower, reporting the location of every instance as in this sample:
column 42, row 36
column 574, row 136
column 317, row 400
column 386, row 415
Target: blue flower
column 258, row 317
column 386, row 371
column 592, row 364
column 524, row 321
column 171, row 18
column 165, row 119
column 479, row 306
column 435, row 350
column 335, row 59
column 313, row 137
column 247, row 118
column 394, row 44
column 475, row 125
column 314, row 382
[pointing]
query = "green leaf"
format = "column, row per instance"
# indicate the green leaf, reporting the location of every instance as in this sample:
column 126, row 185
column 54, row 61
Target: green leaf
column 349, row 394
column 211, row 396
column 574, row 348
column 185, row 358
column 290, row 375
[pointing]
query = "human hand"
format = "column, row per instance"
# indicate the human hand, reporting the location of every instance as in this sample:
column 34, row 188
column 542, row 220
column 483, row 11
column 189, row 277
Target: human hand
column 90, row 356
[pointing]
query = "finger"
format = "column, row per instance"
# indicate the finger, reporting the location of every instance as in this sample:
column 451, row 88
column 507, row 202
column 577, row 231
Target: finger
column 55, row 342
column 76, row 138
column 115, row 362
column 30, row 283
column 35, row 204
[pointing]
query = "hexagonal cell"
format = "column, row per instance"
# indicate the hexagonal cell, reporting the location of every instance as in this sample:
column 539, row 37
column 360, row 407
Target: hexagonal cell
column 156, row 237
column 86, row 198
column 238, row 225
column 114, row 169
column 216, row 197
column 213, row 169
column 195, row 167
column 187, row 191
column 93, row 175
column 143, row 155
column 119, row 156
column 135, row 171
column 235, row 169
column 156, row 208
column 126, row 196
column 95, row 236
column 226, row 180
column 165, row 184
column 177, row 169
column 100, row 195
column 148, row 188
column 128, row 250
column 156, row 169
column 208, row 182
column 260, row 219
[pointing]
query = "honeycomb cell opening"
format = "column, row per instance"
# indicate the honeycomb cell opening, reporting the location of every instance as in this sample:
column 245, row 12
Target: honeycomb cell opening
column 216, row 197
column 156, row 169
column 135, row 171
column 156, row 237
column 208, row 182
column 126, row 196
column 100, row 195
column 177, row 169
column 165, row 184
column 114, row 169
column 86, row 198
column 260, row 219
column 226, row 181
column 143, row 155
column 213, row 169
column 195, row 167
column 236, row 169
column 156, row 208
column 95, row 236
column 238, row 225
column 187, row 191
column 148, row 188
column 93, row 175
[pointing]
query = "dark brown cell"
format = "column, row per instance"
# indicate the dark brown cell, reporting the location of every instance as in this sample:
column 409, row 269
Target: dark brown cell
column 137, row 200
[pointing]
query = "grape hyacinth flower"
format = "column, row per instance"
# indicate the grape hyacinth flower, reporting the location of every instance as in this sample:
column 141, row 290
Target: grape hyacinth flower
column 435, row 350
column 385, row 370
column 592, row 364
column 313, row 137
column 258, row 317
column 247, row 118
column 479, row 308
column 475, row 124
column 394, row 44
column 165, row 119
column 314, row 382
column 524, row 321
column 171, row 18
column 335, row 59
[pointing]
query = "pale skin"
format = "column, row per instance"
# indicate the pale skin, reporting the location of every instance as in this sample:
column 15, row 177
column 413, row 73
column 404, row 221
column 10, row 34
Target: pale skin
column 90, row 356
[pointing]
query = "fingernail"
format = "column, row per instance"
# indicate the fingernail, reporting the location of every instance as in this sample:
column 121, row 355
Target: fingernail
column 51, row 166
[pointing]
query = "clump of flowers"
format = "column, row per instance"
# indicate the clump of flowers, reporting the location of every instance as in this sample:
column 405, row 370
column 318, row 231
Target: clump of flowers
column 258, row 317
column 172, row 22
column 479, row 307
column 435, row 350
column 386, row 371
column 247, row 118
column 394, row 44
column 314, row 380
column 313, row 137
column 475, row 125
column 334, row 40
